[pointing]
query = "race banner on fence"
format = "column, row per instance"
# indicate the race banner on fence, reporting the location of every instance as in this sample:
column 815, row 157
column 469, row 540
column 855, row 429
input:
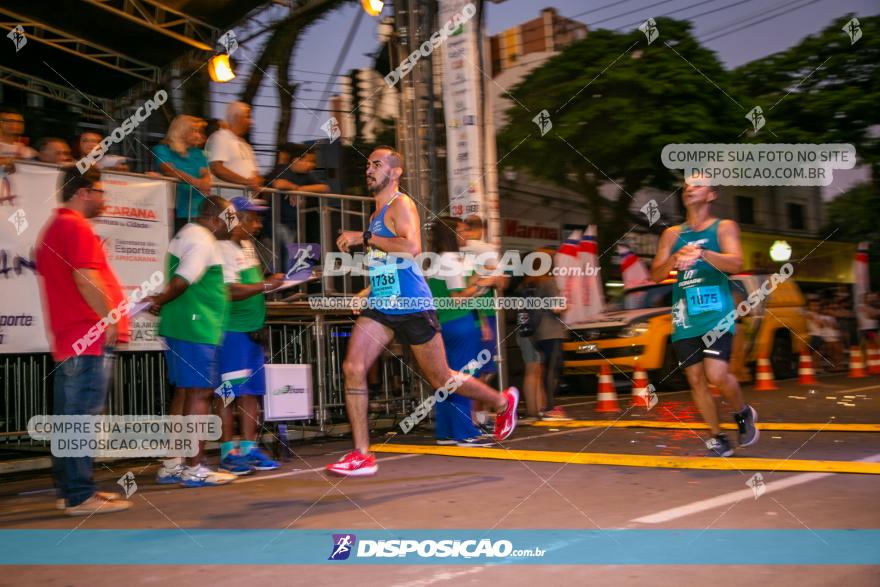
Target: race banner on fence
column 27, row 198
column 461, row 104
column 134, row 232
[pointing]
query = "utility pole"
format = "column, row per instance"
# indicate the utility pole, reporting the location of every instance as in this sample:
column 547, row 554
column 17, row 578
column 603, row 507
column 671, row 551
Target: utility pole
column 416, row 131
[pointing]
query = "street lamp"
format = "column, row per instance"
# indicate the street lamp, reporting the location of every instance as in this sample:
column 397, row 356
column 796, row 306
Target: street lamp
column 780, row 251
column 220, row 69
column 372, row 7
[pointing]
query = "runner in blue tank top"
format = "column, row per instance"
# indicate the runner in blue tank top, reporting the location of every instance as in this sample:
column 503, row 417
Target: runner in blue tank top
column 704, row 251
column 395, row 310
column 397, row 286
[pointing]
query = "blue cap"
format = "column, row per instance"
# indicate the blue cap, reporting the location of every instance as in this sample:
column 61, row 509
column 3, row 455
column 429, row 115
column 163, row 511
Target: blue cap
column 242, row 204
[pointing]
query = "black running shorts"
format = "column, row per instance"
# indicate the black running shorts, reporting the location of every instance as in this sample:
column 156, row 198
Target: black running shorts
column 417, row 328
column 691, row 351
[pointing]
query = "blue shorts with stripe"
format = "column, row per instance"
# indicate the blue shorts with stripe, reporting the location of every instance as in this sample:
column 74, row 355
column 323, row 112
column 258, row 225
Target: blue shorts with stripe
column 241, row 364
column 191, row 364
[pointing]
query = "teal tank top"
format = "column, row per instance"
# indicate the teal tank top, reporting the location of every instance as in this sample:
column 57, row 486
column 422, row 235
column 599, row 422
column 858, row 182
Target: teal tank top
column 701, row 295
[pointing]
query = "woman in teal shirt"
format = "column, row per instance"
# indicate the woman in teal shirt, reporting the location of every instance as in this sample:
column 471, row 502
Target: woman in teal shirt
column 180, row 155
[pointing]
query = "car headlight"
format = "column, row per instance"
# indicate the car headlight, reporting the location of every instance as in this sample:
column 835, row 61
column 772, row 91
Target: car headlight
column 635, row 329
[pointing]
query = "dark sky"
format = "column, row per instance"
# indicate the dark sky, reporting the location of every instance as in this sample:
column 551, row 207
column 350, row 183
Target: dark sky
column 764, row 35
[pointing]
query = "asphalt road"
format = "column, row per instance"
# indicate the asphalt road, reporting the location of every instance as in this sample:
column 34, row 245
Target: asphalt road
column 420, row 492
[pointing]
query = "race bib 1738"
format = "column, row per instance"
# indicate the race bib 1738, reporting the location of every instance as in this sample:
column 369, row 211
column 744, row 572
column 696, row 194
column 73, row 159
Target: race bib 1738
column 384, row 281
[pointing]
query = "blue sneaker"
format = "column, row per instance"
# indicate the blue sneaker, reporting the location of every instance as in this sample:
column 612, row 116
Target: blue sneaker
column 236, row 464
column 746, row 422
column 719, row 446
column 259, row 461
column 170, row 473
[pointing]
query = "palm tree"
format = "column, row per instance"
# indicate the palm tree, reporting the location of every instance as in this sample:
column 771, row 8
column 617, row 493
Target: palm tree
column 279, row 51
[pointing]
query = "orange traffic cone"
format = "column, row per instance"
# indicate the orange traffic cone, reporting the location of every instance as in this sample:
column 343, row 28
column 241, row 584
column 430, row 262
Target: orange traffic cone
column 764, row 376
column 873, row 358
column 607, row 396
column 806, row 375
column 640, row 388
column 856, row 363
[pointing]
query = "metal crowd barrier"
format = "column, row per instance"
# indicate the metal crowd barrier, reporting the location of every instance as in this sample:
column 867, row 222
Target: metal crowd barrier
column 298, row 334
column 318, row 219
column 26, row 392
column 140, row 385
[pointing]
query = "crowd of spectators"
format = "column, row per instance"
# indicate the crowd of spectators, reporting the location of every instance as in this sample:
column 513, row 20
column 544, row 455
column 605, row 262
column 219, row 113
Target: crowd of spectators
column 835, row 323
column 197, row 153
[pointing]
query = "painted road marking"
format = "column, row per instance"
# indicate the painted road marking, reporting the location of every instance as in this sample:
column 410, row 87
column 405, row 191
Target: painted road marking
column 735, row 496
column 775, row 426
column 321, row 469
column 261, row 477
column 633, row 460
column 265, row 477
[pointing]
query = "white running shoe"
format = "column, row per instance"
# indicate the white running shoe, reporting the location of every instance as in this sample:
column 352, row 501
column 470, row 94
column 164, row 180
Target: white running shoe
column 167, row 475
column 202, row 476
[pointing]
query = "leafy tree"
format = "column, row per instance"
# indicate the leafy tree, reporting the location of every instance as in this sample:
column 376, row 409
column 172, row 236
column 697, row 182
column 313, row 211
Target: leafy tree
column 279, row 51
column 615, row 102
column 853, row 217
column 824, row 89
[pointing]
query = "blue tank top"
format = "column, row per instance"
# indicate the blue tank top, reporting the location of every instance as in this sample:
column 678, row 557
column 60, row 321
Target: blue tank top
column 397, row 285
column 701, row 295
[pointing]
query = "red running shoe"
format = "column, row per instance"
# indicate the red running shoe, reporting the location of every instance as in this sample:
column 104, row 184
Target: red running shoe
column 505, row 422
column 354, row 464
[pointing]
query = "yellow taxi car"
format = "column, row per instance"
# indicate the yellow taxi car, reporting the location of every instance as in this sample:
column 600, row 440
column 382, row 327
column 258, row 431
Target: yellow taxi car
column 638, row 333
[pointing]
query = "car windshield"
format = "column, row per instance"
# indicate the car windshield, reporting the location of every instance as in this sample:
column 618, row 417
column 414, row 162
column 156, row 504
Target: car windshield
column 658, row 296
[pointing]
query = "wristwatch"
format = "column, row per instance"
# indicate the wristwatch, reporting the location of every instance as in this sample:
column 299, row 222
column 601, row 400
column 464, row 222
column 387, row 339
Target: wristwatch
column 367, row 236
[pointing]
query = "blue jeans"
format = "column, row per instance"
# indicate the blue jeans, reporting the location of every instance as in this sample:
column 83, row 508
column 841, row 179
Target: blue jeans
column 80, row 389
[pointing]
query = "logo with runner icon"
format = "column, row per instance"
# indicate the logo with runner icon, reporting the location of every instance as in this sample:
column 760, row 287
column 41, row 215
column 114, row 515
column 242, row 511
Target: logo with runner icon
column 285, row 389
column 343, row 544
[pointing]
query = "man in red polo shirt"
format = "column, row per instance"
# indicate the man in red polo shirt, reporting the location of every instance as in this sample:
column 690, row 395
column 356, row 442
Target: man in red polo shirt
column 79, row 291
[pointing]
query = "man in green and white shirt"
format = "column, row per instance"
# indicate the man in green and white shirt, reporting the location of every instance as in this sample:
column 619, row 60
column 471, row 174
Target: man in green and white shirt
column 192, row 311
column 241, row 355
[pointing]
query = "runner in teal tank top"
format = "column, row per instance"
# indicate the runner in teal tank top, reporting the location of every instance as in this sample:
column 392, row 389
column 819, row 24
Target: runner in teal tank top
column 703, row 251
column 394, row 233
column 701, row 297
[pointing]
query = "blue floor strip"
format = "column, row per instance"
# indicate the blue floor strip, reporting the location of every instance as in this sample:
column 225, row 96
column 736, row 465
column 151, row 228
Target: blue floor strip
column 444, row 547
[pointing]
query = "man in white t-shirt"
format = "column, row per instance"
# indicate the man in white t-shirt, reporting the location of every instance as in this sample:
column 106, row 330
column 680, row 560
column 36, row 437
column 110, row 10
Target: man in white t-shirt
column 230, row 156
